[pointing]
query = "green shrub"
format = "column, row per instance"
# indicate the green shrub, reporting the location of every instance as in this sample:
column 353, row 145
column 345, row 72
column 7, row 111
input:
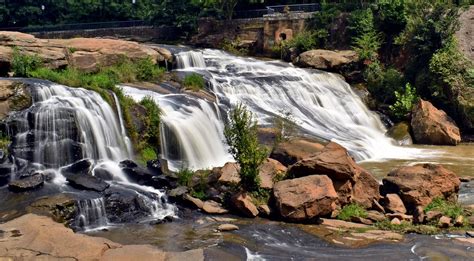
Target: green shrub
column 147, row 154
column 194, row 82
column 22, row 64
column 367, row 46
column 185, row 177
column 452, row 210
column 383, row 84
column 4, row 142
column 404, row 102
column 234, row 47
column 241, row 135
column 302, row 42
column 352, row 210
column 146, row 70
column 361, row 22
column 152, row 121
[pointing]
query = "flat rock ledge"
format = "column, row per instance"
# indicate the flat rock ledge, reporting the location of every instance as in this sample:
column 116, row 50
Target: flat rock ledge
column 33, row 237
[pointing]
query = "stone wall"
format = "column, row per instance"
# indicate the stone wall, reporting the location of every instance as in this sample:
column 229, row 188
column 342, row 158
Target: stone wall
column 137, row 33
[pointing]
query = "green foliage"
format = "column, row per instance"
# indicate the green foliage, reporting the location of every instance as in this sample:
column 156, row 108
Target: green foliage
column 361, row 22
column 407, row 227
column 452, row 210
column 234, row 47
column 404, row 102
column 391, row 17
column 367, row 46
column 321, row 22
column 22, row 64
column 302, row 42
column 4, row 141
column 194, row 82
column 185, row 177
column 147, row 70
column 147, row 154
column 241, row 135
column 382, row 83
column 152, row 122
column 352, row 210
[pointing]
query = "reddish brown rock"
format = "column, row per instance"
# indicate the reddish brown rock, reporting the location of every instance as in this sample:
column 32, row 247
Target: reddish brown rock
column 303, row 199
column 243, row 204
column 226, row 175
column 433, row 215
column 394, row 204
column 269, row 171
column 366, row 190
column 212, row 207
column 419, row 215
column 292, row 151
column 418, row 185
column 326, row 59
column 433, row 126
column 444, row 222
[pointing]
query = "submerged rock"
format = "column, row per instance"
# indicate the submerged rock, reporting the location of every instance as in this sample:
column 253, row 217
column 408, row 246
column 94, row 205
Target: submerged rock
column 28, row 183
column 306, row 198
column 418, row 185
column 433, row 126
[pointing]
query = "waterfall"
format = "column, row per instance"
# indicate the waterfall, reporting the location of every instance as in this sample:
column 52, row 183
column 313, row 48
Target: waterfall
column 190, row 59
column 191, row 130
column 322, row 104
column 122, row 125
column 91, row 214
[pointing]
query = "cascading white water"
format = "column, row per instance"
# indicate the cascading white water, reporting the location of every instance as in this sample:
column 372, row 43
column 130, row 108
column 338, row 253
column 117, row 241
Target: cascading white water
column 191, row 130
column 190, row 59
column 92, row 214
column 127, row 141
column 322, row 104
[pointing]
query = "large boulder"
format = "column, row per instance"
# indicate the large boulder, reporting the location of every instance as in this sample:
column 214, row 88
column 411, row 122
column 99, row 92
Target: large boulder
column 32, row 182
column 400, row 132
column 326, row 59
column 292, row 151
column 244, row 205
column 352, row 182
column 306, row 198
column 14, row 96
column 433, row 126
column 226, row 175
column 418, row 185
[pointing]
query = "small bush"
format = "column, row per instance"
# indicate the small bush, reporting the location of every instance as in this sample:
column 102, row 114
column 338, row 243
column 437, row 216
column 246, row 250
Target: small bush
column 22, row 65
column 302, row 42
column 185, row 177
column 367, row 46
column 382, row 83
column 241, row 135
column 404, row 102
column 285, row 127
column 452, row 210
column 147, row 154
column 146, row 70
column 4, row 142
column 152, row 121
column 194, row 82
column 234, row 47
column 352, row 210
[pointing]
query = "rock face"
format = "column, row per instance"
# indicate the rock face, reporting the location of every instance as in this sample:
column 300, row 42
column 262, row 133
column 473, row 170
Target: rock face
column 326, row 59
column 292, row 151
column 269, row 171
column 418, row 185
column 28, row 183
column 243, row 204
column 433, row 126
column 86, row 54
column 352, row 182
column 394, row 204
column 306, row 198
column 227, row 175
column 14, row 96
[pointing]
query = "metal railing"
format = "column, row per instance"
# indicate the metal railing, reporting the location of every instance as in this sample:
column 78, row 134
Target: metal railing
column 277, row 9
column 78, row 26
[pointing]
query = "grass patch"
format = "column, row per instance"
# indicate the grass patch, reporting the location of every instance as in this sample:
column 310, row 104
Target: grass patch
column 185, row 177
column 4, row 142
column 452, row 210
column 147, row 154
column 352, row 210
column 194, row 82
column 407, row 227
column 22, row 64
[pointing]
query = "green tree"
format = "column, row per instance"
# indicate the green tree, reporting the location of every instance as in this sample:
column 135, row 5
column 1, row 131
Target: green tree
column 241, row 135
column 404, row 102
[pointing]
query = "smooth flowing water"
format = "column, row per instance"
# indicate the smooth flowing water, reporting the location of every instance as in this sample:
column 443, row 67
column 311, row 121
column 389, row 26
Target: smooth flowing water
column 65, row 125
column 192, row 130
column 321, row 104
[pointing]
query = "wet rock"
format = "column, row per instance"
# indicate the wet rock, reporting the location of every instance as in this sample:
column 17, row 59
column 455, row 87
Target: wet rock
column 6, row 170
column 433, row 126
column 243, row 204
column 444, row 222
column 394, row 204
column 61, row 207
column 28, row 183
column 400, row 132
column 375, row 216
column 136, row 173
column 80, row 167
column 227, row 227
column 395, row 221
column 292, row 151
column 212, row 207
column 419, row 215
column 154, row 166
column 178, row 192
column 264, row 210
column 226, row 175
column 303, row 199
column 459, row 221
column 326, row 59
column 84, row 181
column 433, row 215
column 194, row 201
column 14, row 96
column 103, row 173
column 124, row 205
column 270, row 170
column 470, row 233
column 418, row 185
